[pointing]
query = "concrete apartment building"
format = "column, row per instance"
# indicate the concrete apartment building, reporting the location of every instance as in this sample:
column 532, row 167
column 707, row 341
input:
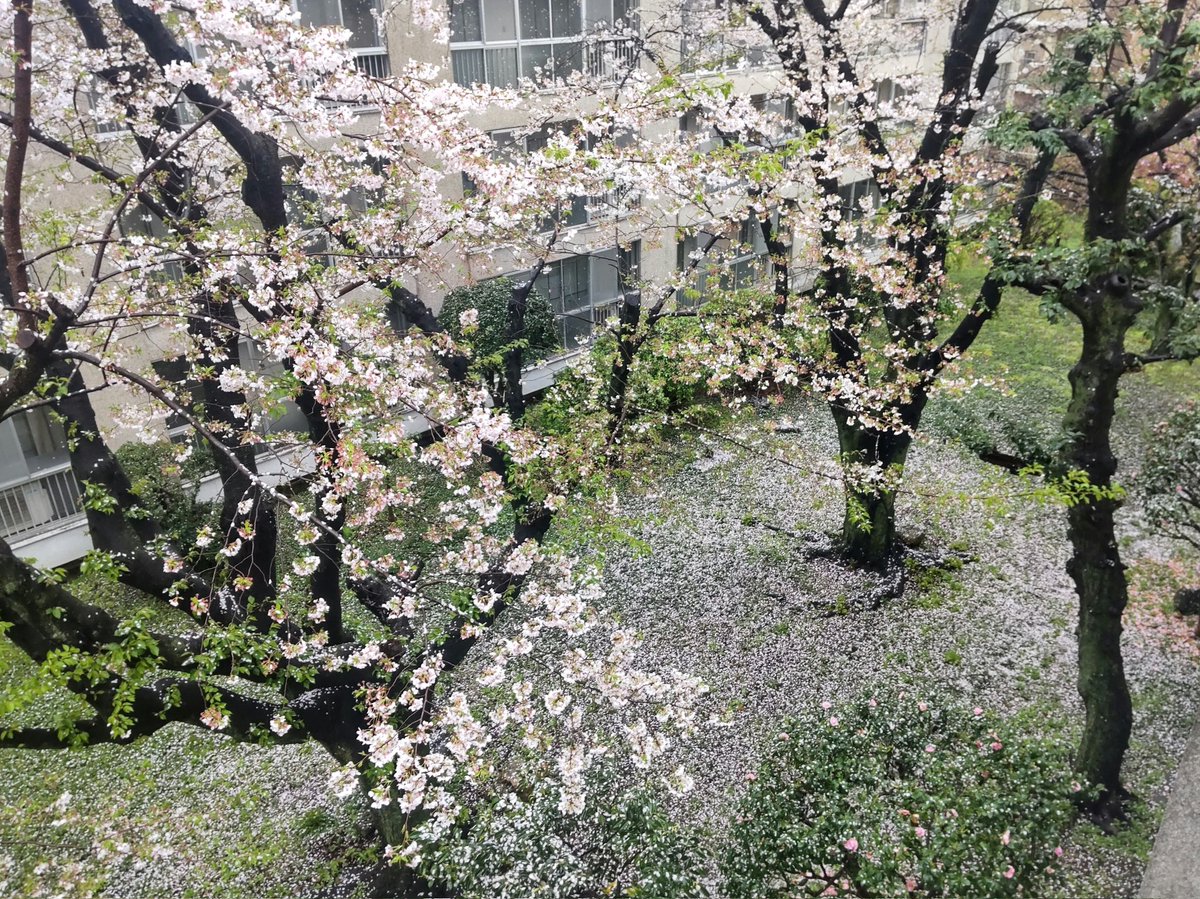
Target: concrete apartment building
column 496, row 42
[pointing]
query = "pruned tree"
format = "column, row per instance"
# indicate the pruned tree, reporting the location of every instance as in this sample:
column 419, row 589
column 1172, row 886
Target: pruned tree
column 1130, row 91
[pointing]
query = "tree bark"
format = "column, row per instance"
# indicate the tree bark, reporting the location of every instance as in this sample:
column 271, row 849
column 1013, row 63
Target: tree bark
column 869, row 524
column 1095, row 564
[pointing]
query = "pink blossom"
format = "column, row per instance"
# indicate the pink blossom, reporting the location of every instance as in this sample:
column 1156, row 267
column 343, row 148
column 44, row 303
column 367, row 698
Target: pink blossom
column 997, row 746
column 978, row 711
column 920, row 832
column 827, row 705
column 833, row 722
column 851, row 845
column 929, row 747
column 1010, row 872
column 1005, row 838
column 924, row 707
column 910, row 883
column 1058, row 851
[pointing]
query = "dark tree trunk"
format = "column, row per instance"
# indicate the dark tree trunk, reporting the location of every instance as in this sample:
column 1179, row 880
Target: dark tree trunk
column 325, row 584
column 869, row 524
column 1095, row 564
column 629, row 315
column 217, row 327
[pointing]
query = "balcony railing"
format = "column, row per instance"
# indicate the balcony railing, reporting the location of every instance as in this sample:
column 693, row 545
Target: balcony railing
column 614, row 203
column 39, row 503
column 608, row 59
column 373, row 63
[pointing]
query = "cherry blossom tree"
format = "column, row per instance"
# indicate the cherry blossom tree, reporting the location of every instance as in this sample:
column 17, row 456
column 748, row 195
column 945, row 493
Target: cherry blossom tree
column 207, row 220
column 881, row 327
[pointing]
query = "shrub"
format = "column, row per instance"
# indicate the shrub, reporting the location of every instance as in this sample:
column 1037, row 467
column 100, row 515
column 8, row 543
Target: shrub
column 165, row 489
column 662, row 382
column 621, row 844
column 489, row 337
column 898, row 798
column 1171, row 476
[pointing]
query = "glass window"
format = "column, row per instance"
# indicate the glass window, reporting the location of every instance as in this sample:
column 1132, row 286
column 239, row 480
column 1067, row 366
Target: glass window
column 359, row 17
column 319, row 13
column 599, row 13
column 536, row 59
column 42, row 440
column 566, row 17
column 468, row 67
column 535, row 19
column 568, row 58
column 465, row 23
column 629, row 266
column 501, row 66
column 499, row 21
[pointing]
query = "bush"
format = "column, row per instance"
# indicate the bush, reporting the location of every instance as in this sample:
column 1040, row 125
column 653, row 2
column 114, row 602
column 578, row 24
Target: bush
column 661, row 383
column 489, row 338
column 621, row 844
column 897, row 798
column 1171, row 476
column 166, row 490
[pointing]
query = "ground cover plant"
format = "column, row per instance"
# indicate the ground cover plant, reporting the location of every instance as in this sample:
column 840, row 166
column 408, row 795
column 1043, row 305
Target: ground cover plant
column 893, row 796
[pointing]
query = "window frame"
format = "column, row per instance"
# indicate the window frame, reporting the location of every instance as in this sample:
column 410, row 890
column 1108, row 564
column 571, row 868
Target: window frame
column 588, row 55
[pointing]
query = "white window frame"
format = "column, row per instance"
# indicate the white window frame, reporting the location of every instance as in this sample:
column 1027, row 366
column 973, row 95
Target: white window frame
column 600, row 58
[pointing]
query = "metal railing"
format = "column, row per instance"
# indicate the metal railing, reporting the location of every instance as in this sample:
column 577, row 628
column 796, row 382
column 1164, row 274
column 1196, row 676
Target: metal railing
column 607, row 59
column 373, row 63
column 38, row 504
column 614, row 203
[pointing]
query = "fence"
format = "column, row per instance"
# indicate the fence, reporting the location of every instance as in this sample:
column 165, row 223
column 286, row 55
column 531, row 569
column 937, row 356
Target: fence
column 39, row 503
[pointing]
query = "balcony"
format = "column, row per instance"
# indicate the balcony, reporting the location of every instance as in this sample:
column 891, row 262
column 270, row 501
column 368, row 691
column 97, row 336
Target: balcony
column 613, row 204
column 46, row 501
column 608, row 59
column 373, row 63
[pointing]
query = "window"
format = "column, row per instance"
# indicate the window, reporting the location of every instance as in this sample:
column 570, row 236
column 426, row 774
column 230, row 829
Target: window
column 138, row 220
column 629, row 266
column 360, row 18
column 570, row 213
column 497, row 42
column 997, row 92
column 855, row 196
column 690, row 123
column 582, row 291
column 41, row 438
column 888, row 91
column 704, row 41
column 747, row 267
column 280, row 416
column 742, row 261
column 304, row 208
column 888, row 9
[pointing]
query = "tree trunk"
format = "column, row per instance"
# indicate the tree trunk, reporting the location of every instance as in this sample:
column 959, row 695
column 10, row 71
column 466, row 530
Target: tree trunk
column 1099, row 577
column 869, row 527
column 869, row 524
column 1095, row 564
